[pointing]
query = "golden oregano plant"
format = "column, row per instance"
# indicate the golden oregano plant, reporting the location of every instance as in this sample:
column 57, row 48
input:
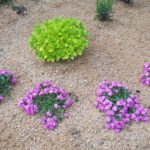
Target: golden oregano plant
column 59, row 39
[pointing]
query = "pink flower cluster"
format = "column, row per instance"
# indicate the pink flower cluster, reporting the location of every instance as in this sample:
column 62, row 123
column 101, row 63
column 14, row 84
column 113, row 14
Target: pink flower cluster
column 50, row 121
column 119, row 105
column 145, row 77
column 11, row 81
column 1, row 98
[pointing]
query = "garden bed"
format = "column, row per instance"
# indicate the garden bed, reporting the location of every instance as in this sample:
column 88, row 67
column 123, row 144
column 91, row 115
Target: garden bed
column 117, row 51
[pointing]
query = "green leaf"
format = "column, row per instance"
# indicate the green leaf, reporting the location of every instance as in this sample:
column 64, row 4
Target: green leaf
column 59, row 39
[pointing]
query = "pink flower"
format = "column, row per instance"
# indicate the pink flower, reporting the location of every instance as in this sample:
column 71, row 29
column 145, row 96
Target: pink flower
column 66, row 114
column 13, row 80
column 31, row 109
column 110, row 113
column 43, row 120
column 48, row 114
column 60, row 97
column 56, row 106
column 68, row 103
column 51, row 123
column 21, row 103
column 108, row 119
column 145, row 76
column 114, row 108
column 1, row 98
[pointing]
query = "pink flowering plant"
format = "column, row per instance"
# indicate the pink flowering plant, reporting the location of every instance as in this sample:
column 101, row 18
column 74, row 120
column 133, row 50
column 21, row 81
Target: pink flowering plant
column 7, row 80
column 145, row 76
column 119, row 105
column 50, row 101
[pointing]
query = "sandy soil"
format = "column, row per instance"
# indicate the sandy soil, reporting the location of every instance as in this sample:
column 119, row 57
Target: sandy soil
column 117, row 50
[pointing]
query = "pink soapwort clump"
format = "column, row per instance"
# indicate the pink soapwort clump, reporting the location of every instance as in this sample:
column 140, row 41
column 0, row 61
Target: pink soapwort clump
column 145, row 76
column 1, row 98
column 7, row 80
column 119, row 105
column 49, row 100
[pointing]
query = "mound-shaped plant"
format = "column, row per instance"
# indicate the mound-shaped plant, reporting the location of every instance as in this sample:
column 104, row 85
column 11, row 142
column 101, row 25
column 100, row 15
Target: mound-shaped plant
column 119, row 105
column 48, row 100
column 145, row 76
column 59, row 39
column 7, row 80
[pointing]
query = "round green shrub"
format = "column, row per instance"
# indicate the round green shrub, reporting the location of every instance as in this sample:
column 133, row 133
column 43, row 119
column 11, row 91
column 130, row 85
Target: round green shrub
column 59, row 39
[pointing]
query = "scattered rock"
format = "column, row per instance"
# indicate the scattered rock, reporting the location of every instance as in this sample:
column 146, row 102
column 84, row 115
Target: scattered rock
column 74, row 97
column 74, row 132
column 97, row 144
column 21, row 10
column 138, row 91
column 146, row 147
column 1, row 49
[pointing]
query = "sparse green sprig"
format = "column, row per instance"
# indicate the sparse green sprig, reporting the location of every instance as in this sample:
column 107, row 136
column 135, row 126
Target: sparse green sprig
column 104, row 9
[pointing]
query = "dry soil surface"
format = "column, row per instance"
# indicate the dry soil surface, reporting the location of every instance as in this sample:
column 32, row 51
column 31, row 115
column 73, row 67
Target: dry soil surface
column 117, row 51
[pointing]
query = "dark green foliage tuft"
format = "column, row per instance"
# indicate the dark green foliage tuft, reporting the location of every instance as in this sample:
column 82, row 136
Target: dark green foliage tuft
column 5, row 85
column 104, row 9
column 122, row 94
column 46, row 103
column 5, row 1
column 128, row 1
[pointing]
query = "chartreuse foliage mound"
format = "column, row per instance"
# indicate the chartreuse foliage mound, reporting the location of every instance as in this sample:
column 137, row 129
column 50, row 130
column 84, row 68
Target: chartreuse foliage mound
column 59, row 39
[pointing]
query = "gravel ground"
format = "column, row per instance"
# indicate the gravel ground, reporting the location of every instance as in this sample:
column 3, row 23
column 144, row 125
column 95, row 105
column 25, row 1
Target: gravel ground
column 117, row 51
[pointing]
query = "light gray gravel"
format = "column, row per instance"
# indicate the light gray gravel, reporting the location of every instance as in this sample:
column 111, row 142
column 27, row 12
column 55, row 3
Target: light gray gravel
column 117, row 51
